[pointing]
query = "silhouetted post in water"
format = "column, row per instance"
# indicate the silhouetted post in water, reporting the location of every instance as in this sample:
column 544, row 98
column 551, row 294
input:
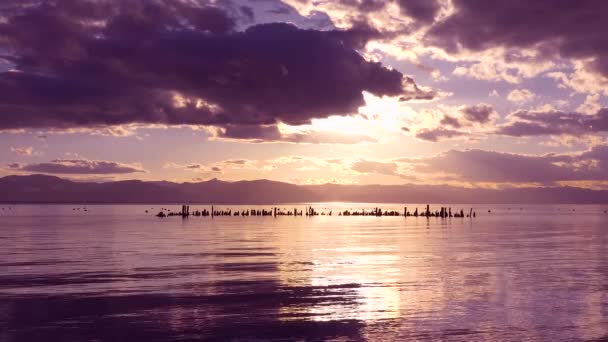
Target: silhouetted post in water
column 442, row 212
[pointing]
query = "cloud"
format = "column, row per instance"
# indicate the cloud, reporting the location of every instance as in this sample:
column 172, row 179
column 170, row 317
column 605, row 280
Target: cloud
column 450, row 121
column 114, row 63
column 78, row 166
column 22, row 151
column 508, row 41
column 583, row 79
column 239, row 162
column 366, row 166
column 395, row 15
column 520, row 95
column 537, row 123
column 561, row 28
column 437, row 134
column 591, row 104
column 216, row 167
column 272, row 133
column 479, row 113
column 445, row 122
column 497, row 167
column 421, row 10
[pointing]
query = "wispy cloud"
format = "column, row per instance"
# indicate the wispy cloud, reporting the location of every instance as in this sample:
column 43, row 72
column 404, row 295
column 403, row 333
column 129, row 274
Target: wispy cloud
column 78, row 166
column 22, row 151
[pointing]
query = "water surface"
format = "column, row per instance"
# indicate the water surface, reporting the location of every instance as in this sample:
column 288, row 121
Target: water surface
column 117, row 273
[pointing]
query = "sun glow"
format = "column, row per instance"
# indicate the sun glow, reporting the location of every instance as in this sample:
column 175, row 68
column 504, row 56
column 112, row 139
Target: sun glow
column 380, row 117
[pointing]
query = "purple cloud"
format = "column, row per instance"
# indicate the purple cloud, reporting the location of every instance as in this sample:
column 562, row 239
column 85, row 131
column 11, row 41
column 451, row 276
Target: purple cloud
column 422, row 10
column 489, row 166
column 450, row 121
column 570, row 29
column 77, row 166
column 177, row 63
column 529, row 123
column 436, row 134
column 271, row 133
column 479, row 113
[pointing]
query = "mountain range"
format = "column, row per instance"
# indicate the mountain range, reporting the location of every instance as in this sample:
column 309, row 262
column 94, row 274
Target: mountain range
column 50, row 189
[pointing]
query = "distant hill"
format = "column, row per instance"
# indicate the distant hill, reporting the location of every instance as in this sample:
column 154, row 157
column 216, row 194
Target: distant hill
column 49, row 189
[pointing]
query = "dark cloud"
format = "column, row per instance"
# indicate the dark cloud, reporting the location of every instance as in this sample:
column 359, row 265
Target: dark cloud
column 271, row 133
column 450, row 121
column 530, row 123
column 170, row 62
column 570, row 29
column 251, row 132
column 490, row 166
column 77, row 166
column 480, row 113
column 421, row 10
column 439, row 133
column 357, row 35
column 365, row 6
column 366, row 166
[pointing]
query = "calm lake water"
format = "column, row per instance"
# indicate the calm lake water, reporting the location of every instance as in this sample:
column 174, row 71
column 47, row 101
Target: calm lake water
column 115, row 273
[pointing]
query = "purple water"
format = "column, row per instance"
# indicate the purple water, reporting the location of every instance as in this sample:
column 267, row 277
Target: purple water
column 117, row 273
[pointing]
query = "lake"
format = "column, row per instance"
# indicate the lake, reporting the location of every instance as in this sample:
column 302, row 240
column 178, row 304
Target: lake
column 117, row 273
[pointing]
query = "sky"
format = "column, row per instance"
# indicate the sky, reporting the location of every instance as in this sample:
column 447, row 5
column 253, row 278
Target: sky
column 469, row 93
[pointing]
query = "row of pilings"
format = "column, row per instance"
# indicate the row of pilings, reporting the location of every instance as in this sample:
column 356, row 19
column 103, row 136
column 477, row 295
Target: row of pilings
column 444, row 212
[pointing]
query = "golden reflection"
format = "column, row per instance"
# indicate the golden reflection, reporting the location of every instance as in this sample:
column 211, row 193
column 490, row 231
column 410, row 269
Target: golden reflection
column 347, row 282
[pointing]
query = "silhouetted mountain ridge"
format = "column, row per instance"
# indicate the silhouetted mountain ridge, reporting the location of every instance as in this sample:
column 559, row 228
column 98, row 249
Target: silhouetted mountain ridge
column 51, row 189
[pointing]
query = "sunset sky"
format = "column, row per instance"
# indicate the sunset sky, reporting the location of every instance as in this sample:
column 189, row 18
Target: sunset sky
column 461, row 92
